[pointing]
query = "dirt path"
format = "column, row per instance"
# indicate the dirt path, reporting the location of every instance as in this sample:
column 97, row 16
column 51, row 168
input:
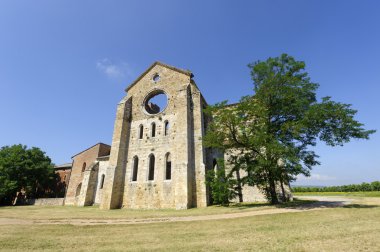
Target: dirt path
column 323, row 203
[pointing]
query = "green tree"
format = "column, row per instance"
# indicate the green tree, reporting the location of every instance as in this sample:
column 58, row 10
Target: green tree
column 275, row 127
column 24, row 169
column 222, row 185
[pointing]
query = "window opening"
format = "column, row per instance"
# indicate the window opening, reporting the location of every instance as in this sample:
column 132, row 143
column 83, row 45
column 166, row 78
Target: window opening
column 168, row 167
column 84, row 167
column 153, row 129
column 135, row 168
column 141, row 132
column 156, row 102
column 151, row 167
column 102, row 181
column 166, row 130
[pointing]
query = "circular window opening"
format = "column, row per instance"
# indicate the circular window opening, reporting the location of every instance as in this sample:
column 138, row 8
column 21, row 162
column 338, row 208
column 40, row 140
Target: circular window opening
column 156, row 102
column 156, row 78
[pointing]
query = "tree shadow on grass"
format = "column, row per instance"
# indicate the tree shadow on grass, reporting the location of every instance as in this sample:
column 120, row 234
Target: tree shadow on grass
column 300, row 204
column 242, row 206
column 309, row 204
column 360, row 206
column 253, row 205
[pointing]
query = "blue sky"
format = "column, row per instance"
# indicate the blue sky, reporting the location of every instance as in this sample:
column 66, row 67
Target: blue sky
column 64, row 64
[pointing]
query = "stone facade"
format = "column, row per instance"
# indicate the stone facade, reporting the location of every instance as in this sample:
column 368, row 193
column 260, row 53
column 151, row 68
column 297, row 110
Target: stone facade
column 175, row 132
column 157, row 159
column 47, row 202
column 84, row 168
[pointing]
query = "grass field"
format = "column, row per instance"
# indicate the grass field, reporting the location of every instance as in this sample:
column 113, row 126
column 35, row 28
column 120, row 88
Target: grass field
column 348, row 194
column 354, row 227
column 57, row 212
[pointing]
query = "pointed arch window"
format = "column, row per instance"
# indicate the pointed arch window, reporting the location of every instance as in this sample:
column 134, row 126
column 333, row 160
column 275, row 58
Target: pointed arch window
column 168, row 167
column 151, row 167
column 102, row 181
column 141, row 131
column 153, row 129
column 166, row 128
column 84, row 167
column 135, row 168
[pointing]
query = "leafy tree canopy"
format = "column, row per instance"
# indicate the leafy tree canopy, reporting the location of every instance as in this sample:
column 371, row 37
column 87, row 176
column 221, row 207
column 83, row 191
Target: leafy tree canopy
column 274, row 128
column 24, row 169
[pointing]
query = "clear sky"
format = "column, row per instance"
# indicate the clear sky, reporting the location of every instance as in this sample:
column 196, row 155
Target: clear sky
column 64, row 64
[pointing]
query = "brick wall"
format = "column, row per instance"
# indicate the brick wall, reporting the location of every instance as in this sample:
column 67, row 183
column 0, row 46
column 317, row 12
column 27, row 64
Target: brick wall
column 86, row 157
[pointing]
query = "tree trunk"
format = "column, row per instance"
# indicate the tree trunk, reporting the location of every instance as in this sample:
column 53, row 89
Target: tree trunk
column 284, row 198
column 239, row 187
column 273, row 193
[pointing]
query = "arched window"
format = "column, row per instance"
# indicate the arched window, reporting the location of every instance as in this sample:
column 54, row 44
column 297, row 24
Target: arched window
column 168, row 167
column 153, row 129
column 135, row 168
column 141, row 132
column 215, row 165
column 166, row 129
column 102, row 181
column 84, row 167
column 151, row 167
column 79, row 187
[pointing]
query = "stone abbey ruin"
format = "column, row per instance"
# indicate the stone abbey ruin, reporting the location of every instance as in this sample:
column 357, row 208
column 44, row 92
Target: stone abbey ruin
column 157, row 159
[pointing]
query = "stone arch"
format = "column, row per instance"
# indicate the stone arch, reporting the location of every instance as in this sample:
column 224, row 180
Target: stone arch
column 155, row 102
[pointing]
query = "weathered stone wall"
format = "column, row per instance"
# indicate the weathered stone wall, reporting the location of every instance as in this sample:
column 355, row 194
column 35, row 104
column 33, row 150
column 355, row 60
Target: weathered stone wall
column 103, row 164
column 47, row 202
column 198, row 152
column 89, row 185
column 159, row 193
column 88, row 156
column 186, row 188
column 115, row 173
column 252, row 193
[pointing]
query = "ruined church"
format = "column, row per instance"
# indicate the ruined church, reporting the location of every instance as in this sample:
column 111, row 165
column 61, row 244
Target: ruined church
column 157, row 159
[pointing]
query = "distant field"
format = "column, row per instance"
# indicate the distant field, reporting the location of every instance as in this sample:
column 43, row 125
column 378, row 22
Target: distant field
column 354, row 227
column 350, row 194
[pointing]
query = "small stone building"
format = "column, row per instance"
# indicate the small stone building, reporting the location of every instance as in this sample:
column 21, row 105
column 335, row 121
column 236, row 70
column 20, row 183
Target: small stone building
column 86, row 175
column 157, row 159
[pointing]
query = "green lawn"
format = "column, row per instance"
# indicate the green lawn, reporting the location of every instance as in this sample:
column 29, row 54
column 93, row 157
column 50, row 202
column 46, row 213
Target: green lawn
column 93, row 212
column 352, row 228
column 72, row 212
column 348, row 194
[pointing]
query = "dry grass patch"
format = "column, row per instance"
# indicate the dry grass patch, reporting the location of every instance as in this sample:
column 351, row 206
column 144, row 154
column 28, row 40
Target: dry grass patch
column 340, row 229
column 65, row 212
